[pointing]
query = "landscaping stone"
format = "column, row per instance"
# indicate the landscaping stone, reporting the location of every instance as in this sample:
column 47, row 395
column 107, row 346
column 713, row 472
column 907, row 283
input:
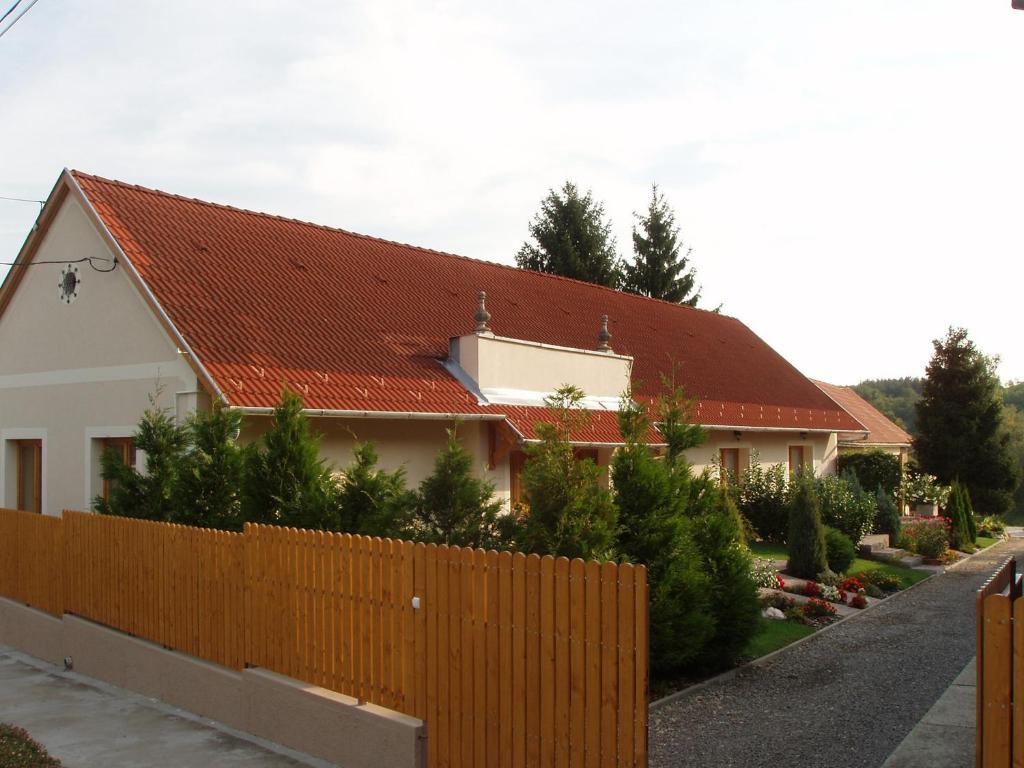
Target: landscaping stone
column 773, row 613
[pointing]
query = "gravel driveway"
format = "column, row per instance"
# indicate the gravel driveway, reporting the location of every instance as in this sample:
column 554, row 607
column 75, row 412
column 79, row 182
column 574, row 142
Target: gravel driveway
column 845, row 697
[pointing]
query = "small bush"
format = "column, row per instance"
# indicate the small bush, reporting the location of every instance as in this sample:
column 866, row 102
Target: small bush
column 852, row 584
column 829, row 577
column 763, row 500
column 807, row 553
column 778, row 600
column 928, row 537
column 19, row 750
column 991, row 526
column 875, row 591
column 840, row 550
column 845, row 505
column 811, row 589
column 818, row 609
column 887, row 516
column 764, row 574
column 858, row 601
column 881, row 580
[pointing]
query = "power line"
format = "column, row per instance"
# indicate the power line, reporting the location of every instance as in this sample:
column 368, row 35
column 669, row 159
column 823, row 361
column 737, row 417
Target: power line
column 22, row 200
column 10, row 10
column 89, row 259
column 21, row 13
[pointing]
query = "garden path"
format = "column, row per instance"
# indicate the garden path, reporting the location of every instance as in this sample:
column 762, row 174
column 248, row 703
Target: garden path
column 845, row 697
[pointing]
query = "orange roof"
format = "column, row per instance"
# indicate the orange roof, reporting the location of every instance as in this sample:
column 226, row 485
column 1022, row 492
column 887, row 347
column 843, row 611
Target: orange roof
column 881, row 430
column 357, row 323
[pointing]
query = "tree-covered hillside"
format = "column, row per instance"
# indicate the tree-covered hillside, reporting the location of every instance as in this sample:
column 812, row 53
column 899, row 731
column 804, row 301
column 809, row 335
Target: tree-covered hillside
column 896, row 398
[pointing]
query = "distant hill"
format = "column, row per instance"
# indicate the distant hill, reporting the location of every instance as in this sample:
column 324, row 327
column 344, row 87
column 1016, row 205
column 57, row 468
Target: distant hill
column 896, row 398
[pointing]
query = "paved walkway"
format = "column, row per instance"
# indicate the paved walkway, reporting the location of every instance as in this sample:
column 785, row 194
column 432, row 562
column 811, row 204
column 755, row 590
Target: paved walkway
column 846, row 697
column 85, row 723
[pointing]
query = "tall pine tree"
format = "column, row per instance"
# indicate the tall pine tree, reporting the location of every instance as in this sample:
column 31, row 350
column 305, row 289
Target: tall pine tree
column 572, row 239
column 659, row 270
column 959, row 423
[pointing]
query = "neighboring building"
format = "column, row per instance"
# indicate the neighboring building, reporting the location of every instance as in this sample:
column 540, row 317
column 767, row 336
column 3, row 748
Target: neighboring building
column 187, row 301
column 881, row 433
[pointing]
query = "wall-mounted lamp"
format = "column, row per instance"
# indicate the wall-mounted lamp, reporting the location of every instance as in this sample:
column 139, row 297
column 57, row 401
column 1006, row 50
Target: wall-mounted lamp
column 803, row 435
column 737, row 434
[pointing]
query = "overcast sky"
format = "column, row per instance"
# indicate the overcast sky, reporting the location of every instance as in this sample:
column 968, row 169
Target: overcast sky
column 850, row 176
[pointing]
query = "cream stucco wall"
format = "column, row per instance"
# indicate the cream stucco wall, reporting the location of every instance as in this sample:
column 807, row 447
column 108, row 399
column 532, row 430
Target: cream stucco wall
column 71, row 374
column 500, row 365
column 768, row 447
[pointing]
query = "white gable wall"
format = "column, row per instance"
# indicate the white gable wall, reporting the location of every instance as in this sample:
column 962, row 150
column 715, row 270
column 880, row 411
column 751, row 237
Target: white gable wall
column 71, row 374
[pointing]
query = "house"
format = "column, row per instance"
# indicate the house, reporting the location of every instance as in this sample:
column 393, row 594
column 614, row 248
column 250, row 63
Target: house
column 879, row 432
column 123, row 294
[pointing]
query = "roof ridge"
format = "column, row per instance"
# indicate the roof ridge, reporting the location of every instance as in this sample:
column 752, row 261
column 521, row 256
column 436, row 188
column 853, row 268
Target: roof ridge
column 302, row 222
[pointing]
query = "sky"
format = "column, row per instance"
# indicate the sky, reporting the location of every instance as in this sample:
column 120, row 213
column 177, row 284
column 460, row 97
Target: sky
column 850, row 176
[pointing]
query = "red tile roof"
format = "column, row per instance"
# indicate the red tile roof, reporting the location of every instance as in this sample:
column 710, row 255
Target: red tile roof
column 357, row 323
column 881, row 431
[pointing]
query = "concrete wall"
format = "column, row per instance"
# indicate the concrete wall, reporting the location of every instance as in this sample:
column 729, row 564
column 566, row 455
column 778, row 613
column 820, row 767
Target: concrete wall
column 304, row 717
column 498, row 364
column 71, row 374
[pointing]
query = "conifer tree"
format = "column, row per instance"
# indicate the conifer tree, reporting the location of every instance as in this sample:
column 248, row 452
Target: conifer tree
column 373, row 501
column 286, row 481
column 659, row 269
column 959, row 423
column 209, row 485
column 654, row 530
column 570, row 514
column 806, row 542
column 572, row 239
column 149, row 494
column 455, row 507
column 887, row 517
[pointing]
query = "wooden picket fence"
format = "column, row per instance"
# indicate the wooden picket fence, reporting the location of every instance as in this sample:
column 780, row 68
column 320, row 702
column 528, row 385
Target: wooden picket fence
column 511, row 660
column 1000, row 670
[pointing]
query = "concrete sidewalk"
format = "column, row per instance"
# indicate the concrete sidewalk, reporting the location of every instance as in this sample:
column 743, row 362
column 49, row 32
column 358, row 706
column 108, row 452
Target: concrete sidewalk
column 86, row 723
column 944, row 737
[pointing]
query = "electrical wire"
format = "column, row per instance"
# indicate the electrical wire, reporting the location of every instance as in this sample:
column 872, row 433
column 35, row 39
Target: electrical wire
column 21, row 13
column 10, row 10
column 89, row 259
column 22, row 200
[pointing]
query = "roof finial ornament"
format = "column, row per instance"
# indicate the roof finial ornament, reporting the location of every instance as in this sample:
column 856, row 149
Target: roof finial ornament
column 482, row 316
column 603, row 337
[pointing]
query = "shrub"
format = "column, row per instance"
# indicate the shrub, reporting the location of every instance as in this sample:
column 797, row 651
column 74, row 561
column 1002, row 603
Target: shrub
column 807, row 553
column 818, row 609
column 778, row 600
column 922, row 488
column 858, row 601
column 763, row 500
column 654, row 529
column 19, row 750
column 873, row 469
column 455, row 507
column 209, row 482
column 887, row 516
column 811, row 589
column 845, row 505
column 881, row 580
column 928, row 537
column 839, row 549
column 991, row 526
column 764, row 574
column 852, row 584
column 828, row 576
column 873, row 590
column 570, row 513
column 832, row 594
column 956, row 511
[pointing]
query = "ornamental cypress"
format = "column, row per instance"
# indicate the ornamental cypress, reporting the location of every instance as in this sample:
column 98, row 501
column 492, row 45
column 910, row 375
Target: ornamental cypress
column 373, row 501
column 209, row 487
column 659, row 270
column 807, row 553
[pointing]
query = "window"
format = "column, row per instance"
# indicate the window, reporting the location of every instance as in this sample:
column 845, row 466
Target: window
column 29, row 472
column 797, row 458
column 124, row 447
column 729, row 459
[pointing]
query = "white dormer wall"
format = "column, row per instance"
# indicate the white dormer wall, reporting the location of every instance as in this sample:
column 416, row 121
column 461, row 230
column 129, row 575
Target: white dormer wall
column 507, row 371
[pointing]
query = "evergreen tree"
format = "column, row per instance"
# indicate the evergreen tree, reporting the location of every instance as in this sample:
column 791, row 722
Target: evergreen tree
column 371, row 501
column 572, row 239
column 807, row 553
column 286, row 481
column 887, row 517
column 655, row 531
column 959, row 423
column 570, row 514
column 149, row 494
column 455, row 507
column 209, row 485
column 659, row 270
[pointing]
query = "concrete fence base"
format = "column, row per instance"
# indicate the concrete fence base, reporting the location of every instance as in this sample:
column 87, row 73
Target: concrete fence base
column 303, row 717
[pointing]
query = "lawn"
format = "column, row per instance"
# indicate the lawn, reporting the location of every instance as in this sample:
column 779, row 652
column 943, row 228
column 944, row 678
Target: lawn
column 907, row 576
column 985, row 541
column 773, row 635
